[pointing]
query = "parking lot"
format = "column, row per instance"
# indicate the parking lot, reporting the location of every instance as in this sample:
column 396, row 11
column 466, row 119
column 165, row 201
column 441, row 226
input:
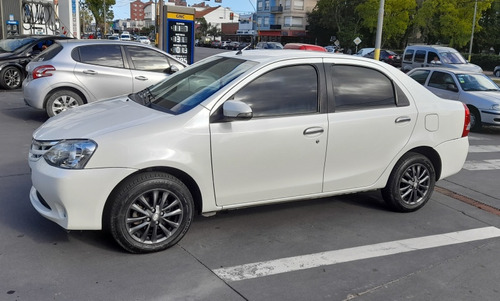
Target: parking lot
column 340, row 248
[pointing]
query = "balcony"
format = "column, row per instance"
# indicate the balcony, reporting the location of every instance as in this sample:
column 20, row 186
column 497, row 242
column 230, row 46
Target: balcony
column 275, row 27
column 276, row 9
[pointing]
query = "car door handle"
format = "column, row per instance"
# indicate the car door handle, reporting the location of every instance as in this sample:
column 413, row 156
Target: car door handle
column 90, row 72
column 143, row 78
column 313, row 131
column 402, row 119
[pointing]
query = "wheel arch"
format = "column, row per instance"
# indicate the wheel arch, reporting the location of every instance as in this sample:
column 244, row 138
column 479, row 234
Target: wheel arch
column 181, row 175
column 55, row 90
column 432, row 155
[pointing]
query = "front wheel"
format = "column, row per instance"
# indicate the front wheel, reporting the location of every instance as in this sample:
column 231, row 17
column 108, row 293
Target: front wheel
column 11, row 78
column 475, row 119
column 149, row 212
column 62, row 100
column 410, row 184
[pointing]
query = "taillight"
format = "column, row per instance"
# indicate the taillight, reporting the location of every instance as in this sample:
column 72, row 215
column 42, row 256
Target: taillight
column 466, row 130
column 43, row 71
column 391, row 57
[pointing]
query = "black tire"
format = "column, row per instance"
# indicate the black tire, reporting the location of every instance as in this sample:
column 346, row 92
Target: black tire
column 410, row 184
column 475, row 120
column 497, row 73
column 62, row 100
column 11, row 78
column 149, row 212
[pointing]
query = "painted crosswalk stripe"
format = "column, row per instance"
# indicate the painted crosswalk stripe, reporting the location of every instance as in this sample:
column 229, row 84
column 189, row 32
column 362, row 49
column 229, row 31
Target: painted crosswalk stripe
column 297, row 263
column 482, row 165
column 484, row 148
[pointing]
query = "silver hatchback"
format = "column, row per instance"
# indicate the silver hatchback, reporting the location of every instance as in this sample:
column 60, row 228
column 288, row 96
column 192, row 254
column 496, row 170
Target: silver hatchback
column 75, row 72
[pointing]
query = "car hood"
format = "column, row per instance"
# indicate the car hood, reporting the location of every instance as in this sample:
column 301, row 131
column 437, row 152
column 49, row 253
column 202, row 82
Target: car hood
column 465, row 67
column 96, row 119
column 486, row 96
column 4, row 55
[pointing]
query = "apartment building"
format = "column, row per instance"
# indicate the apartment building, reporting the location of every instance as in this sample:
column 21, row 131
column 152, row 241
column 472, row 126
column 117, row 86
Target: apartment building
column 282, row 19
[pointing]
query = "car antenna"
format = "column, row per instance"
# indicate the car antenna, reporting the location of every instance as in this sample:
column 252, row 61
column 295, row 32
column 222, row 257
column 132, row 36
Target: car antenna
column 239, row 51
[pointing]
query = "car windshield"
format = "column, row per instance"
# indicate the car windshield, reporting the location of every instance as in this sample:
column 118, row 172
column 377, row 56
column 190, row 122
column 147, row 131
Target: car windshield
column 452, row 58
column 187, row 88
column 11, row 45
column 476, row 82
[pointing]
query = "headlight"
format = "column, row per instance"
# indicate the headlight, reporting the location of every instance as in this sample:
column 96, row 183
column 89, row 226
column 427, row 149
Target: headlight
column 70, row 154
column 496, row 107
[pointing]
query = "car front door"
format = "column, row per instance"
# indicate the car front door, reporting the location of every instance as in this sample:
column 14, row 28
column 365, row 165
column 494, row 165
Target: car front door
column 102, row 71
column 443, row 85
column 148, row 66
column 371, row 119
column 280, row 151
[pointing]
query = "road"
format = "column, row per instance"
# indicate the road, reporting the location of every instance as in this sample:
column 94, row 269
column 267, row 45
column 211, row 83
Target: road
column 340, row 248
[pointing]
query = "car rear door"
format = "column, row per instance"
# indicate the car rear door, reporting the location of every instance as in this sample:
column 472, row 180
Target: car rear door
column 280, row 152
column 370, row 120
column 440, row 83
column 102, row 71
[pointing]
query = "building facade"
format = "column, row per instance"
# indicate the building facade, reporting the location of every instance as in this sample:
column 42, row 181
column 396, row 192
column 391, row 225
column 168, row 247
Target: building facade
column 282, row 20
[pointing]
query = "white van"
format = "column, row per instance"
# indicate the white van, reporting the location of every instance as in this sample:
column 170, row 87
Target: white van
column 435, row 56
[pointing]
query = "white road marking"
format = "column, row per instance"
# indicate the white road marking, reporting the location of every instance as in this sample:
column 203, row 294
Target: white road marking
column 297, row 263
column 482, row 165
column 484, row 148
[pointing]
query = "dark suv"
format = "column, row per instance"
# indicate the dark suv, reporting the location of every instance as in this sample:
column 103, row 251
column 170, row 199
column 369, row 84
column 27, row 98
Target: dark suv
column 16, row 52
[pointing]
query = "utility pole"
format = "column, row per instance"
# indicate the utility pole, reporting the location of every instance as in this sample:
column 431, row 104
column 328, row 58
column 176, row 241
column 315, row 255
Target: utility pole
column 104, row 18
column 473, row 28
column 380, row 24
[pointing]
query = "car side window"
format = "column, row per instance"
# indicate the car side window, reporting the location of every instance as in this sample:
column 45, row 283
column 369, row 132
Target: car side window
column 408, row 55
column 360, row 88
column 102, row 55
column 285, row 91
column 440, row 80
column 420, row 76
column 432, row 56
column 148, row 59
column 420, row 56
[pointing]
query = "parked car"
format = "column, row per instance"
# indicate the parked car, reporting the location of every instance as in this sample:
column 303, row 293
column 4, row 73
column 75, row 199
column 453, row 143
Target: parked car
column 387, row 56
column 125, row 37
column 225, row 44
column 205, row 140
column 144, row 40
column 269, row 45
column 435, row 56
column 16, row 52
column 307, row 47
column 476, row 90
column 496, row 71
column 75, row 72
column 216, row 44
column 364, row 51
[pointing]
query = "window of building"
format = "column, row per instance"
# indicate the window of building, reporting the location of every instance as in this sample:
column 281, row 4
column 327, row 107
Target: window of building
column 298, row 4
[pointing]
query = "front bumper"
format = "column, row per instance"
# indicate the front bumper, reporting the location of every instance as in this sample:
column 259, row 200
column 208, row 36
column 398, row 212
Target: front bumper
column 74, row 199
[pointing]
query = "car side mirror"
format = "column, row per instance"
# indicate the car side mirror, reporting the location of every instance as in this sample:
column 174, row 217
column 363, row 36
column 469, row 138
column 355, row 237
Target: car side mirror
column 172, row 69
column 452, row 87
column 236, row 110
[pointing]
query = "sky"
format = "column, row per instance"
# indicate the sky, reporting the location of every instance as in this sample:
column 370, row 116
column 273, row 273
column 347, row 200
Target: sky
column 122, row 7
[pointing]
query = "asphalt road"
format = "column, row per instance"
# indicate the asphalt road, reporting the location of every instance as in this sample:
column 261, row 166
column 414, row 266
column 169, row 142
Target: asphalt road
column 340, row 248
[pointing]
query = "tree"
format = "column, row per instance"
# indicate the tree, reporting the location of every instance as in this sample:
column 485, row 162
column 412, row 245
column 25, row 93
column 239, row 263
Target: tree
column 488, row 37
column 335, row 18
column 85, row 18
column 449, row 21
column 396, row 19
column 97, row 7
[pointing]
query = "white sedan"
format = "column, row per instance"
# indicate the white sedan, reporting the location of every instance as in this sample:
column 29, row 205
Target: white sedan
column 244, row 129
column 476, row 90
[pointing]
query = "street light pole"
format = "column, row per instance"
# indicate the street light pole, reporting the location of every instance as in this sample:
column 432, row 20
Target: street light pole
column 104, row 18
column 473, row 28
column 380, row 24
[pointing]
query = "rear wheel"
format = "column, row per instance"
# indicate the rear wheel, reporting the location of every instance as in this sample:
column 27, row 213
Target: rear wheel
column 150, row 212
column 497, row 73
column 410, row 184
column 62, row 100
column 11, row 78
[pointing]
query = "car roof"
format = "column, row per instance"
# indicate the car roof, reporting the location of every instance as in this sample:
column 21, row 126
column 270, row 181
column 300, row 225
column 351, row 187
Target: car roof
column 450, row 70
column 76, row 43
column 428, row 47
